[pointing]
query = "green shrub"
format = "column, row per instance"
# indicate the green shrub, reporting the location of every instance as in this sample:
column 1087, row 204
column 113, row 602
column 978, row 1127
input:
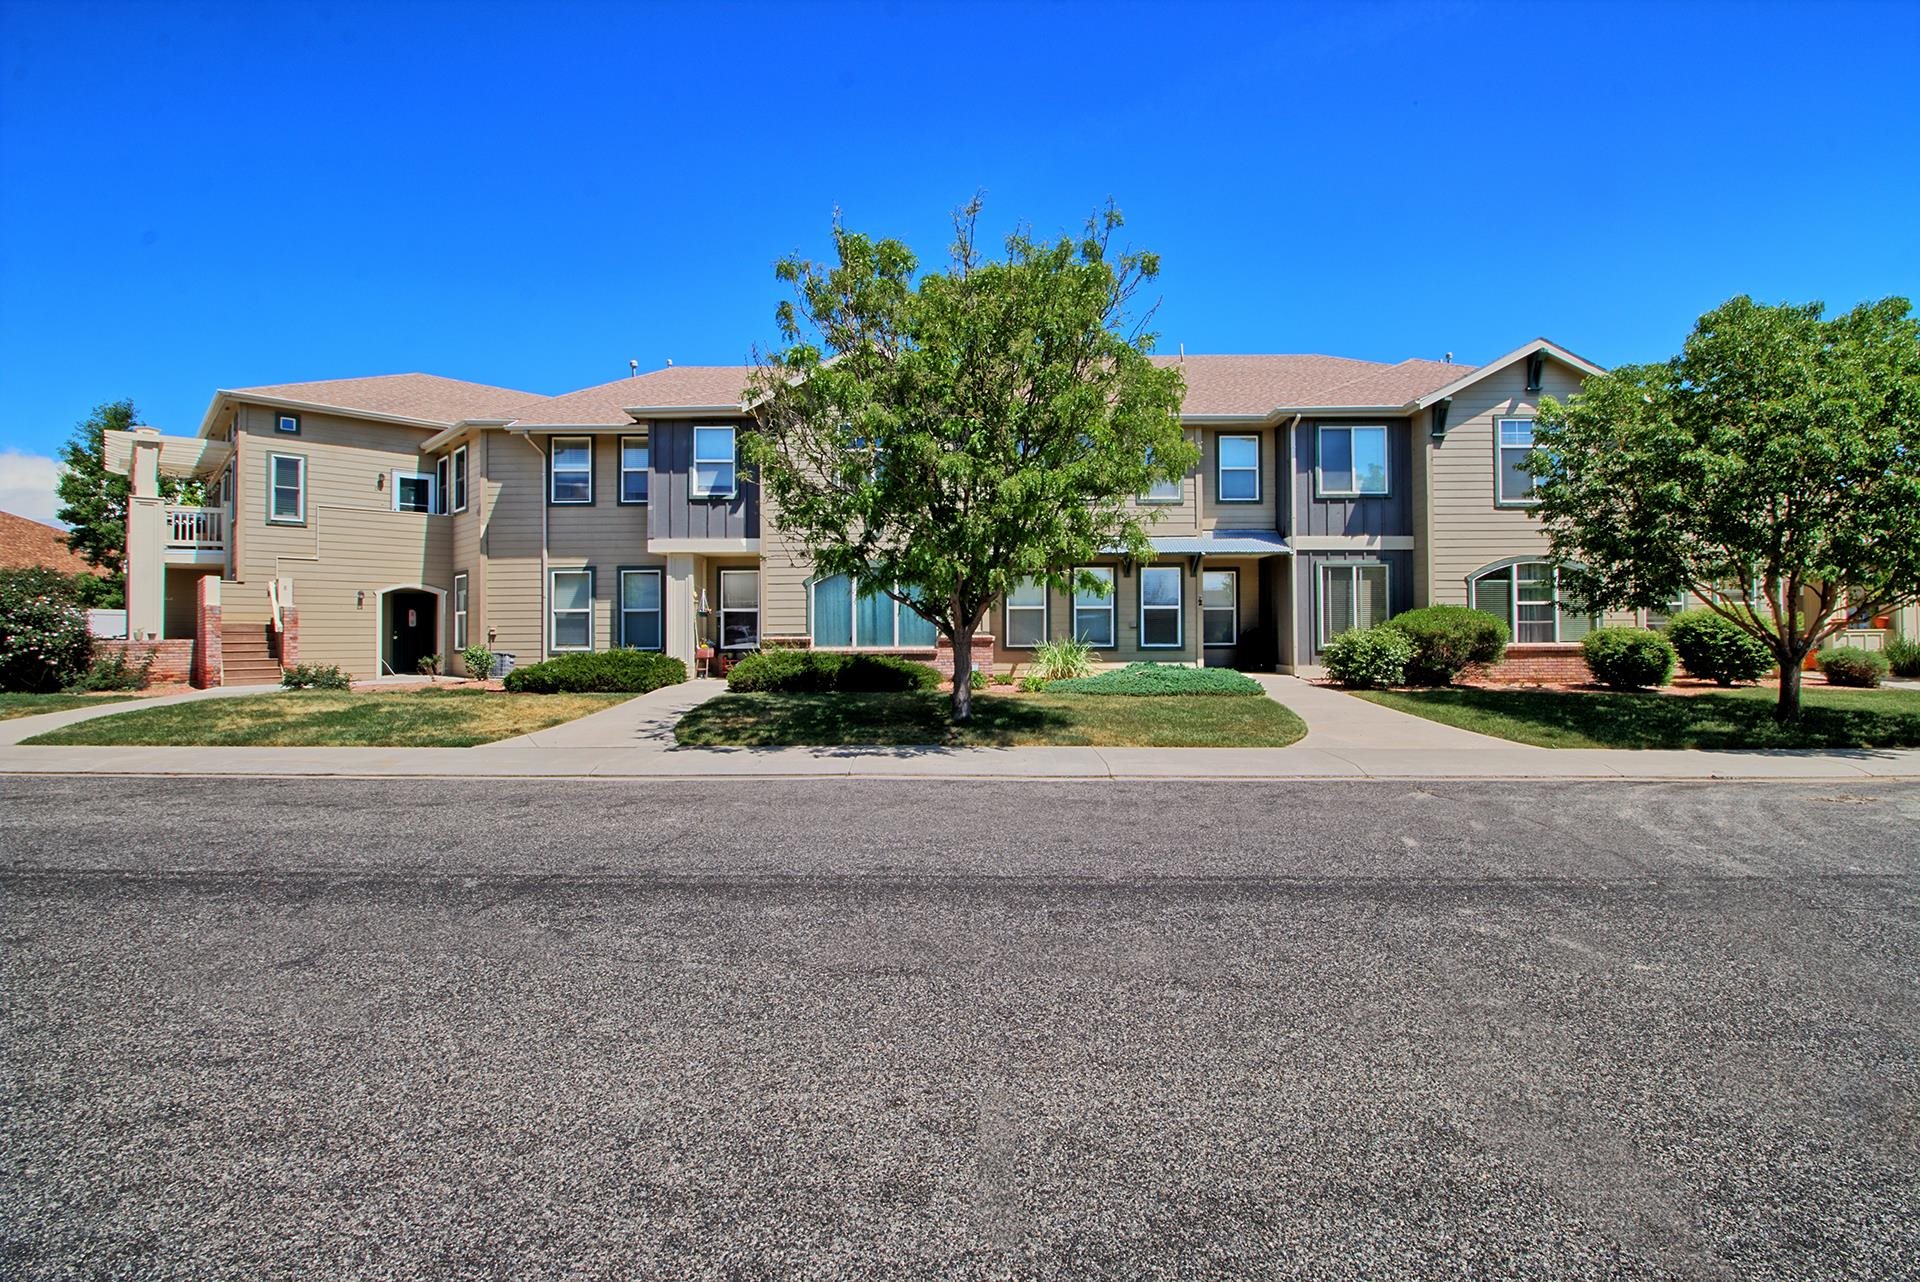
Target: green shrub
column 44, row 643
column 1446, row 638
column 1903, row 657
column 113, row 672
column 1032, row 683
column 315, row 676
column 1061, row 660
column 1159, row 679
column 598, row 672
column 824, row 671
column 478, row 661
column 1628, row 658
column 1845, row 666
column 1368, row 658
column 1717, row 649
column 978, row 680
column 429, row 665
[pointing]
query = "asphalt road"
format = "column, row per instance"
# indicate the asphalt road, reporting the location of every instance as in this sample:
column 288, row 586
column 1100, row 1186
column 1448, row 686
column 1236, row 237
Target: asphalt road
column 339, row 1029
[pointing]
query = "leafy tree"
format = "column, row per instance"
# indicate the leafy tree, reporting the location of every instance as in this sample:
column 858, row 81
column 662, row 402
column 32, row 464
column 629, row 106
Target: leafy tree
column 1772, row 469
column 93, row 501
column 941, row 436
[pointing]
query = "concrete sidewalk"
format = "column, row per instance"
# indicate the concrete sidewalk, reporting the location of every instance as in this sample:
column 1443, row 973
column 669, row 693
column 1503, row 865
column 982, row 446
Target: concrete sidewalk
column 13, row 730
column 644, row 721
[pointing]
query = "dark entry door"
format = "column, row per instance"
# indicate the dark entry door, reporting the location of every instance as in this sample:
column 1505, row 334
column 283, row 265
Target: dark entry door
column 413, row 630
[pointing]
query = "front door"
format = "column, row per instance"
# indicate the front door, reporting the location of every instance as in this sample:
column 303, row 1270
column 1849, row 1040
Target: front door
column 413, row 630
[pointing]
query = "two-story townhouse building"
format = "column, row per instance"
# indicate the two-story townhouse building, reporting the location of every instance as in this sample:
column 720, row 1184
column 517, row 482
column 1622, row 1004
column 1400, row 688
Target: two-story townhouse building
column 369, row 522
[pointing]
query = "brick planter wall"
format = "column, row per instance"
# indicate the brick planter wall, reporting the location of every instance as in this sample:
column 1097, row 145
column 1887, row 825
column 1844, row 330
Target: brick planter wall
column 206, row 631
column 1561, row 663
column 172, row 660
column 942, row 657
column 289, row 645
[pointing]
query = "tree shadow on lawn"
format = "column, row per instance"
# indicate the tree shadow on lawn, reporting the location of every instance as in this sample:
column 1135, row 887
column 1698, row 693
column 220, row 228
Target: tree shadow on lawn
column 1861, row 719
column 869, row 722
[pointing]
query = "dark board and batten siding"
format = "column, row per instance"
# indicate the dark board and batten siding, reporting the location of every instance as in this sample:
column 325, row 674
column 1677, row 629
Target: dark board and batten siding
column 673, row 513
column 1306, row 575
column 1391, row 514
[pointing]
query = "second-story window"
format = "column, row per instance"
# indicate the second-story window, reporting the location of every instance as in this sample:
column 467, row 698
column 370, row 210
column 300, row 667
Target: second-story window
column 572, row 469
column 459, row 494
column 633, row 469
column 442, row 469
column 713, row 462
column 1515, row 482
column 412, row 491
column 1162, row 491
column 1238, row 467
column 286, row 488
column 1353, row 461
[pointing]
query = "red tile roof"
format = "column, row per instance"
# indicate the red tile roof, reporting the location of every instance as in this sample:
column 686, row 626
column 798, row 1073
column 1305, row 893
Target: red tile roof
column 25, row 543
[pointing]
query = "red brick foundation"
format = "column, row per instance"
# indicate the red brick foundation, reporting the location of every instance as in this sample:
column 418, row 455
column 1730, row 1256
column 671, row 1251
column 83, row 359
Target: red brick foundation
column 943, row 654
column 172, row 660
column 289, row 641
column 206, row 631
column 1561, row 663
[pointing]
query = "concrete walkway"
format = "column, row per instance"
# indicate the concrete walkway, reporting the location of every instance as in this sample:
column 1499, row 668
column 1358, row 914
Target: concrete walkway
column 1348, row 738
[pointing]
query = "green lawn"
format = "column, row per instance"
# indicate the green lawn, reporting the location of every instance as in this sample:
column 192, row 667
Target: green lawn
column 453, row 718
column 1730, row 719
column 920, row 719
column 32, row 705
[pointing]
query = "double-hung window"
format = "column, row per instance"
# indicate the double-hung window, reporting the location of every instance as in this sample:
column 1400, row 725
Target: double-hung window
column 1237, row 468
column 1527, row 595
column 713, row 462
column 1220, row 607
column 459, row 479
column 845, row 614
column 1514, row 481
column 1352, row 595
column 739, row 609
column 460, row 615
column 571, row 597
column 640, row 618
column 1161, row 606
column 633, row 469
column 286, row 489
column 1026, row 615
column 442, row 472
column 1093, row 611
column 412, row 491
column 570, row 470
column 1352, row 461
column 1163, row 491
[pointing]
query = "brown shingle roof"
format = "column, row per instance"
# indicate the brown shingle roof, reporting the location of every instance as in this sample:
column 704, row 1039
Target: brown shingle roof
column 678, row 386
column 428, row 397
column 25, row 543
column 1259, row 384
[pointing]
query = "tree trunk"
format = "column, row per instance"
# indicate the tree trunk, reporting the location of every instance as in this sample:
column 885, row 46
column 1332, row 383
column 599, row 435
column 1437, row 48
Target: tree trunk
column 1788, row 709
column 963, row 674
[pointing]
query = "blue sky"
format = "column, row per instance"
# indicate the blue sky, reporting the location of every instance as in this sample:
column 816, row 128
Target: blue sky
column 202, row 196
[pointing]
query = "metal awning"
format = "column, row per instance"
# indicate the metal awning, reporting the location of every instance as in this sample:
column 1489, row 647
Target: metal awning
column 1220, row 543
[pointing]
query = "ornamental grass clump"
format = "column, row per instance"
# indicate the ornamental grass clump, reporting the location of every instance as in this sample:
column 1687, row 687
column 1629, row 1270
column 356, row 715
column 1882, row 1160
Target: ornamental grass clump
column 1368, row 658
column 1061, row 660
column 1903, row 658
column 1628, row 658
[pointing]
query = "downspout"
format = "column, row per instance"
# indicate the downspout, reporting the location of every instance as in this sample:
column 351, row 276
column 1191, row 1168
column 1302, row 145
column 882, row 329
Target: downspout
column 544, row 497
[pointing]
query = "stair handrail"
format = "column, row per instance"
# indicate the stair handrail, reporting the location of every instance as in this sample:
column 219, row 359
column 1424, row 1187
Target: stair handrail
column 273, row 601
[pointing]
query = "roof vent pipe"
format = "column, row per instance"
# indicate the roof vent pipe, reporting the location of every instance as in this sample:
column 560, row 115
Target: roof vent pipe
column 635, row 367
column 1449, row 358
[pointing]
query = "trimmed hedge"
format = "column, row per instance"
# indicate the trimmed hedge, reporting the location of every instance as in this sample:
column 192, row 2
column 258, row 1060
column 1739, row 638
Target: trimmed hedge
column 1368, row 658
column 1628, row 658
column 601, row 671
column 1717, row 649
column 1159, row 679
column 1446, row 638
column 1845, row 666
column 830, row 671
column 1903, row 657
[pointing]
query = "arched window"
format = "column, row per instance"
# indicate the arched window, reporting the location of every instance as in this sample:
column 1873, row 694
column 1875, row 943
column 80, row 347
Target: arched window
column 1527, row 595
column 843, row 617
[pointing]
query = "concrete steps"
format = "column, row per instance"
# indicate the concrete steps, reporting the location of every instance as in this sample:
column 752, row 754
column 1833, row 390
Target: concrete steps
column 246, row 654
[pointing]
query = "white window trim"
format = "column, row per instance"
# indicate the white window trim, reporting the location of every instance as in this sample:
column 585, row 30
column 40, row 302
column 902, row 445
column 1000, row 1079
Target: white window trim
column 645, row 443
column 1326, row 634
column 280, row 422
column 460, row 593
column 724, row 610
column 457, row 479
column 732, row 461
column 1109, row 603
column 1179, row 611
column 433, row 490
column 1500, row 449
column 1204, row 607
column 553, row 470
column 1007, row 607
column 1511, row 570
column 554, row 612
column 620, row 606
column 1320, row 488
column 300, row 517
column 1220, row 469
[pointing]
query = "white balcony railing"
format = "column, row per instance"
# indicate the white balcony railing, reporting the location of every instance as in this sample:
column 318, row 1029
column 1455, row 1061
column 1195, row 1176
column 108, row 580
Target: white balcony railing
column 196, row 527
